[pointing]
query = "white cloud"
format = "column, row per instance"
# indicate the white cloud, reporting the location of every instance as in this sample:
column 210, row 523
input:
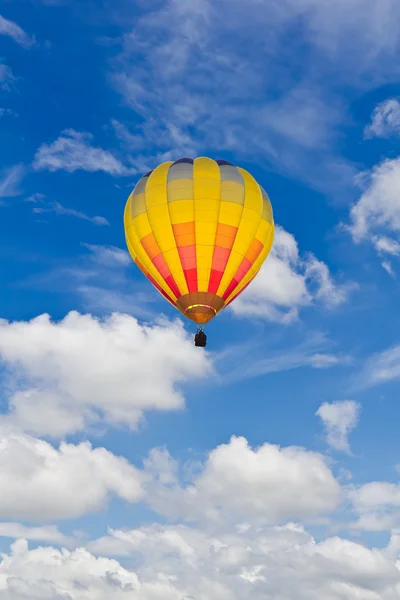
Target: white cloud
column 10, row 182
column 49, row 533
column 379, row 206
column 178, row 63
column 326, row 290
column 287, row 282
column 14, row 31
column 169, row 67
column 110, row 256
column 385, row 119
column 339, row 419
column 388, row 268
column 176, row 563
column 385, row 245
column 66, row 374
column 73, row 151
column 59, row 209
column 49, row 574
column 377, row 506
column 324, row 361
column 381, row 367
column 266, row 485
column 43, row 483
column 280, row 562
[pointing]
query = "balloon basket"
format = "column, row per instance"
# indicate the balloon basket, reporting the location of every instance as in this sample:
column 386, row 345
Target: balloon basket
column 200, row 339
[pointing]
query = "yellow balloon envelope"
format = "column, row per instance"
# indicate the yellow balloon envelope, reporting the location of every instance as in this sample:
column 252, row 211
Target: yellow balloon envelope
column 200, row 231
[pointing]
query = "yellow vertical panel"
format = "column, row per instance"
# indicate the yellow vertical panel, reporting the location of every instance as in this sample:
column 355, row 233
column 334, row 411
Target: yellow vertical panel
column 266, row 235
column 181, row 211
column 160, row 222
column 248, row 227
column 156, row 186
column 254, row 199
column 230, row 213
column 134, row 231
column 141, row 225
column 206, row 193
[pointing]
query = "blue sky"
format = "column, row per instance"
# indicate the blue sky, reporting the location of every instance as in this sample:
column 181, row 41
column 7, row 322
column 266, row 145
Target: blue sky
column 148, row 467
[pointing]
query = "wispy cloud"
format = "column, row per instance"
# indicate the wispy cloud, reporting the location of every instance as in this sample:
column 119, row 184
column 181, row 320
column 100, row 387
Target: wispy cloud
column 101, row 281
column 14, row 31
column 339, row 419
column 59, row 209
column 7, row 79
column 249, row 360
column 10, row 181
column 47, row 533
column 73, row 151
column 381, row 367
column 37, row 197
column 385, row 120
column 6, row 111
column 385, row 245
column 109, row 256
column 212, row 91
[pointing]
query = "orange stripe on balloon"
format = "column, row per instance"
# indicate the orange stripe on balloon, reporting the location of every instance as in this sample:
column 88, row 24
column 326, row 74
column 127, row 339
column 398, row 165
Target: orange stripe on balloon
column 226, row 235
column 242, row 271
column 224, row 241
column 153, row 251
column 251, row 256
column 254, row 251
column 186, row 244
column 184, row 233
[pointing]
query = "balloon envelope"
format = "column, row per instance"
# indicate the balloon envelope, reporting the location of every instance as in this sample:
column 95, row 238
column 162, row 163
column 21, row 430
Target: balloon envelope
column 200, row 231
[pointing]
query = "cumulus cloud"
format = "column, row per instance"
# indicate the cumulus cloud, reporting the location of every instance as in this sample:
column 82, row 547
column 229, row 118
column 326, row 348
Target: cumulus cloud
column 43, row 483
column 73, row 151
column 66, row 374
column 385, row 119
column 377, row 506
column 264, row 485
column 378, row 208
column 286, row 282
column 14, row 31
column 179, row 562
column 339, row 419
column 51, row 574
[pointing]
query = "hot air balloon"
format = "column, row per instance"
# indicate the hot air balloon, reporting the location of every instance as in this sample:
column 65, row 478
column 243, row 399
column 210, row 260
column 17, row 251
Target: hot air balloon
column 199, row 230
